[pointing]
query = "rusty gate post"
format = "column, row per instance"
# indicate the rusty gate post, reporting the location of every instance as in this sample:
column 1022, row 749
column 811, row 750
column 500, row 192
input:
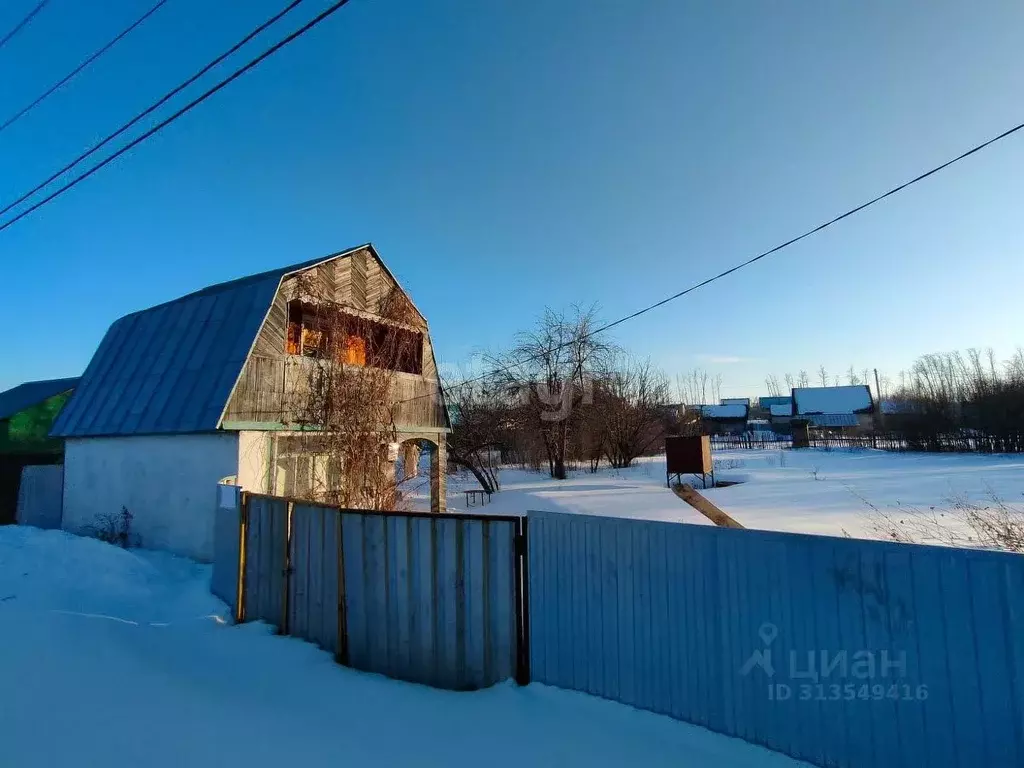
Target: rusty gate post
column 243, row 536
column 287, row 573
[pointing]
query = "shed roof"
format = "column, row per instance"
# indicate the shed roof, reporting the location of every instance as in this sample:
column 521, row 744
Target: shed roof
column 768, row 402
column 31, row 393
column 852, row 399
column 781, row 409
column 171, row 368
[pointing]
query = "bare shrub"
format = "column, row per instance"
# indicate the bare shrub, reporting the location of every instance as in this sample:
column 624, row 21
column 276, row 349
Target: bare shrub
column 116, row 529
column 959, row 522
column 727, row 464
column 344, row 402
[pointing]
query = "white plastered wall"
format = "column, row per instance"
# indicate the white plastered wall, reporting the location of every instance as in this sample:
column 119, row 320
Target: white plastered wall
column 167, row 483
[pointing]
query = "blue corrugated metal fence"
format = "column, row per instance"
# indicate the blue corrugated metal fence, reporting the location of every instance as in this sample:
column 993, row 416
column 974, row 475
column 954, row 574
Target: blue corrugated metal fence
column 839, row 652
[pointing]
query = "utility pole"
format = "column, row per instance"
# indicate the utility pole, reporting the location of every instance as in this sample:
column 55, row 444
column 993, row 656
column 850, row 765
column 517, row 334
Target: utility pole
column 878, row 391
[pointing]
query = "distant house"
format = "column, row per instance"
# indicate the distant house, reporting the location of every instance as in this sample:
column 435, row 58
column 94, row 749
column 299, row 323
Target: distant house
column 735, row 401
column 26, row 414
column 847, row 409
column 781, row 416
column 766, row 403
column 203, row 388
column 728, row 419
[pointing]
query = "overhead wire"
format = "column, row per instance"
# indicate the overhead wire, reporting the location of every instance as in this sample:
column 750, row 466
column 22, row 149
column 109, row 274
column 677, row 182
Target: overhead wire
column 152, row 107
column 23, row 23
column 85, row 63
column 743, row 264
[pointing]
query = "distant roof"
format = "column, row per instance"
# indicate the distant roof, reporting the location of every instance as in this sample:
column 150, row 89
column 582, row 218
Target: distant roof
column 721, row 411
column 780, row 409
column 735, row 401
column 31, row 393
column 768, row 402
column 171, row 368
column 852, row 399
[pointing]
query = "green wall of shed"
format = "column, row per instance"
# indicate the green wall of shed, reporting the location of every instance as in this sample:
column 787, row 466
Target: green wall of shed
column 28, row 430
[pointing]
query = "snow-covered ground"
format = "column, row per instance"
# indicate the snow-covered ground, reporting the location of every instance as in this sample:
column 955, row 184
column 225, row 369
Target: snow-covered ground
column 122, row 658
column 803, row 491
column 829, row 492
column 638, row 491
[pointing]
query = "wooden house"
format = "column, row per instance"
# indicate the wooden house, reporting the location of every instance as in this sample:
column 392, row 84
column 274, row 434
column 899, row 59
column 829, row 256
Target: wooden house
column 203, row 388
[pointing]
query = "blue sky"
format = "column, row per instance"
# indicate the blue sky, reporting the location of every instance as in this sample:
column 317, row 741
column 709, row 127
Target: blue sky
column 504, row 156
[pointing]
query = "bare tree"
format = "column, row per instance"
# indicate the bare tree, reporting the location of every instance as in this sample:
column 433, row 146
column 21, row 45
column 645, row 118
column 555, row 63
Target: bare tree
column 803, row 380
column 851, row 377
column 771, row 383
column 482, row 421
column 697, row 387
column 823, row 376
column 551, row 368
column 790, row 382
column 629, row 409
column 886, row 384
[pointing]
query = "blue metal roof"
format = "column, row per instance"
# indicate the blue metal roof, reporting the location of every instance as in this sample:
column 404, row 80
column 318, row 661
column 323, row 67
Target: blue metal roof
column 171, row 368
column 31, row 393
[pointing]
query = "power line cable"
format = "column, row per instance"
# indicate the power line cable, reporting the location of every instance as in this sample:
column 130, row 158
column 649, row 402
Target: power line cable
column 748, row 262
column 152, row 107
column 21, row 24
column 49, row 91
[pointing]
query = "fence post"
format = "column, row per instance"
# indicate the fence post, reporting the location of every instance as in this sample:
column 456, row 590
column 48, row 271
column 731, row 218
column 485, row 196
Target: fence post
column 243, row 540
column 342, row 596
column 522, row 598
column 287, row 574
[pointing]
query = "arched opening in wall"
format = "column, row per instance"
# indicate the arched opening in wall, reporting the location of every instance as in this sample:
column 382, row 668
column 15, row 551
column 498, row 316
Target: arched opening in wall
column 419, row 469
column 412, row 467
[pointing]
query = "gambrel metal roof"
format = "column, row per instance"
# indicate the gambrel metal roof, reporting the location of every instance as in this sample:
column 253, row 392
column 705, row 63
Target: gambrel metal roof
column 171, row 368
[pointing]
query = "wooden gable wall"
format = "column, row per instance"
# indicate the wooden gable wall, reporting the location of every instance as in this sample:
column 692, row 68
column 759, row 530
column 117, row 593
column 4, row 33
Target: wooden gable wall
column 357, row 281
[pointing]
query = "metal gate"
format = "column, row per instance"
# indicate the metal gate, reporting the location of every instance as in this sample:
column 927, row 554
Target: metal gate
column 434, row 599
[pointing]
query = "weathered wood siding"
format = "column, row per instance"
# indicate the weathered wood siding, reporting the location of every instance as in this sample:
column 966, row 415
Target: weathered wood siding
column 271, row 341
column 270, row 387
column 429, row 366
column 269, row 375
